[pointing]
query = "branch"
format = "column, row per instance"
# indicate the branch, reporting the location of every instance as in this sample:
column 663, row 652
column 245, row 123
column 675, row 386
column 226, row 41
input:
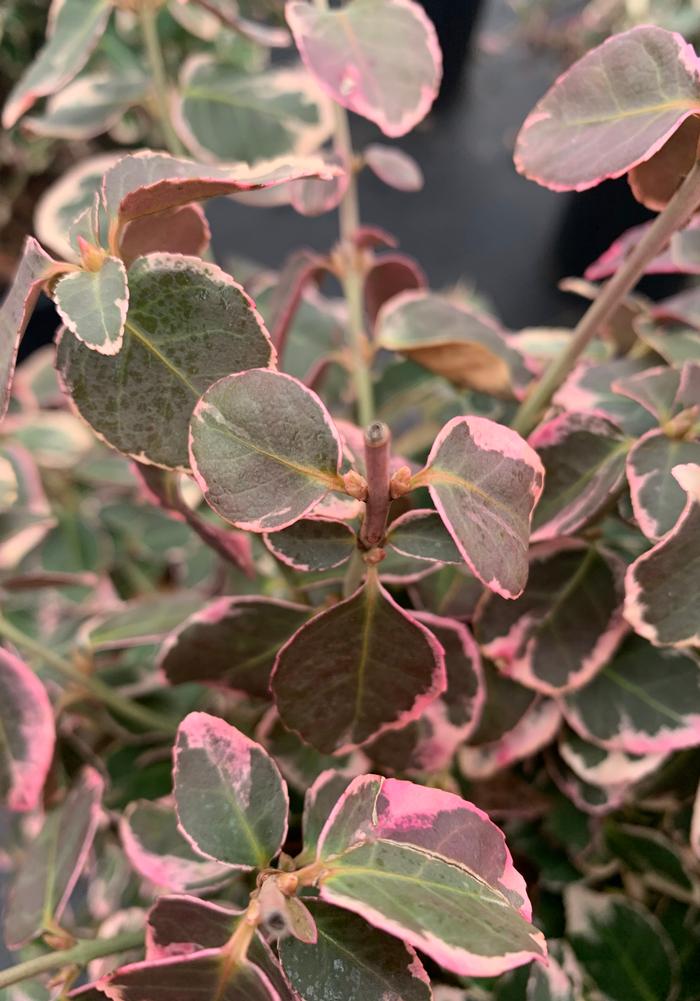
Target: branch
column 78, row 955
column 674, row 216
column 377, row 458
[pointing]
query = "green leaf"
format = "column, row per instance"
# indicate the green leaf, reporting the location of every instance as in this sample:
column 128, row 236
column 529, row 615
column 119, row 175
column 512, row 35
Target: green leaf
column 264, row 449
column 621, row 946
column 313, row 544
column 188, row 321
column 93, row 305
column 319, row 800
column 231, row 642
column 236, row 116
column 54, row 861
column 485, row 481
column 140, row 621
column 357, row 54
column 231, row 800
column 355, row 670
column 651, row 854
column 353, row 961
column 75, row 28
column 422, row 535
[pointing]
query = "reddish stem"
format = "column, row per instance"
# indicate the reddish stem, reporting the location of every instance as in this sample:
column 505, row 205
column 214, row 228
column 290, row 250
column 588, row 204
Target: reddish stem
column 377, row 459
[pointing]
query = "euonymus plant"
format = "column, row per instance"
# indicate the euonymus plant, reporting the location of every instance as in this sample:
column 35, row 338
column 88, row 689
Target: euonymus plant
column 305, row 573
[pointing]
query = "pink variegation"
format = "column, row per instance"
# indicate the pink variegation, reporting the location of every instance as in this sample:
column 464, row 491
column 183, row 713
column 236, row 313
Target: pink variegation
column 27, row 725
column 370, row 75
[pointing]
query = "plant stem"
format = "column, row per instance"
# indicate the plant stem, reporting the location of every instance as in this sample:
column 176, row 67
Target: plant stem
column 148, row 12
column 352, row 278
column 78, row 955
column 377, row 458
column 674, row 216
column 102, row 692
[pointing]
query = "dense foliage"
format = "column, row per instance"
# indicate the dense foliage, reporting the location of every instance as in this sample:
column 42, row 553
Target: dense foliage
column 304, row 592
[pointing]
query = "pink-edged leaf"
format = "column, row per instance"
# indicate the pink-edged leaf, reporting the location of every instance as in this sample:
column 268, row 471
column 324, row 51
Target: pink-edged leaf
column 655, row 181
column 466, row 347
column 263, row 449
column 28, row 734
column 231, row 643
column 536, row 729
column 390, row 276
column 584, row 459
column 376, row 809
column 188, row 320
column 393, row 166
column 74, row 195
column 206, row 23
column 35, row 267
column 313, row 544
column 207, row 975
column 567, row 623
column 387, row 839
column 595, row 800
column 485, row 480
column 145, row 183
column 684, row 308
column 93, row 305
column 695, row 826
column 54, row 860
column 554, row 982
column 428, row 745
column 681, row 256
column 602, row 767
column 358, row 669
column 662, row 585
column 182, row 230
column 159, row 852
column 92, row 104
column 159, row 487
column 655, row 389
column 657, row 498
column 353, row 961
column 357, row 56
column 313, row 197
column 29, row 518
column 371, row 237
column 224, row 115
column 179, row 925
column 589, row 390
column 645, row 701
column 302, row 268
column 231, row 800
column 613, row 109
column 422, row 535
column 75, row 27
